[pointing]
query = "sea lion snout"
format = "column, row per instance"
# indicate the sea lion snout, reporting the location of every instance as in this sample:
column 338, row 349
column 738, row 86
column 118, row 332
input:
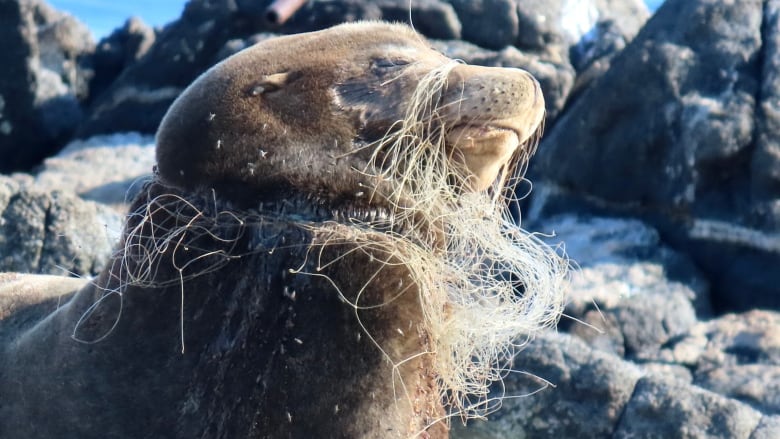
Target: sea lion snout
column 492, row 111
column 494, row 92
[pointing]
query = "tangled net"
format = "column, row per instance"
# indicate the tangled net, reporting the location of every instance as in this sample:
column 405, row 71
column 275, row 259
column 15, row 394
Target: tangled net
column 486, row 286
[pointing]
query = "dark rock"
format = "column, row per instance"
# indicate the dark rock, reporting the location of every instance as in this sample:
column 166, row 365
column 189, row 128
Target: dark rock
column 603, row 41
column 236, row 45
column 489, row 23
column 53, row 233
column 593, row 242
column 666, row 408
column 737, row 355
column 139, row 97
column 677, row 150
column 598, row 395
column 664, row 40
column 586, row 33
column 765, row 163
column 540, row 25
column 432, row 18
column 63, row 42
column 23, row 228
column 42, row 80
column 640, row 324
column 755, row 384
column 588, row 394
column 623, row 298
column 556, row 78
column 321, row 14
column 114, row 53
column 564, row 24
column 592, row 55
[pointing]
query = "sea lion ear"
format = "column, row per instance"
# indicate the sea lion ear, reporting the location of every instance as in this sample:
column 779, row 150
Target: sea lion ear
column 273, row 82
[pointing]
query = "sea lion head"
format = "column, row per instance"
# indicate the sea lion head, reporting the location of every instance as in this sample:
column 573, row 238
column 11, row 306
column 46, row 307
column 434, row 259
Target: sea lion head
column 313, row 112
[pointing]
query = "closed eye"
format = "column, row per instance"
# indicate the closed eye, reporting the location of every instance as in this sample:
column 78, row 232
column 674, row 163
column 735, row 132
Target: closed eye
column 274, row 82
column 384, row 63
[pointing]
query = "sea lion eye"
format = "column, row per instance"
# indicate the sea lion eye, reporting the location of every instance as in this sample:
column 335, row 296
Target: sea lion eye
column 270, row 83
column 384, row 63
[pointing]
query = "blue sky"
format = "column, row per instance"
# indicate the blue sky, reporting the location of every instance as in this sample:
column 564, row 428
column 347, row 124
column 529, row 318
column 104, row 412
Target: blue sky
column 103, row 16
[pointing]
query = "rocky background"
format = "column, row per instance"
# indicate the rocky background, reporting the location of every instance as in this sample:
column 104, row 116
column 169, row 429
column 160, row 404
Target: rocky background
column 659, row 173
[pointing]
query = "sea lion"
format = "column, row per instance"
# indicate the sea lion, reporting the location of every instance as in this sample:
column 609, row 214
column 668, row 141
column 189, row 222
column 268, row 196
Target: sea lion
column 325, row 251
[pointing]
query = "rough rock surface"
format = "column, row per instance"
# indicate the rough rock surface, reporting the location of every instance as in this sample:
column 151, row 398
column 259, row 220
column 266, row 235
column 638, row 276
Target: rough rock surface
column 643, row 320
column 138, row 97
column 432, row 18
column 566, row 22
column 53, row 232
column 107, row 169
column 570, row 389
column 321, row 14
column 680, row 150
column 664, row 407
column 118, row 51
column 603, row 244
column 586, row 34
column 566, row 389
column 765, row 164
column 237, row 44
column 41, row 81
column 737, row 355
column 489, row 23
column 637, row 360
column 768, row 428
column 622, row 298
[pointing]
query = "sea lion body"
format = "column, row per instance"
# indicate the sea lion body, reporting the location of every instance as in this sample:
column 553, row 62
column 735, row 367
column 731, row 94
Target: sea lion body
column 267, row 353
column 265, row 285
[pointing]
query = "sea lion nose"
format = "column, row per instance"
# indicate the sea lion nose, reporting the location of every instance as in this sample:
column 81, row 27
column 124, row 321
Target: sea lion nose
column 493, row 91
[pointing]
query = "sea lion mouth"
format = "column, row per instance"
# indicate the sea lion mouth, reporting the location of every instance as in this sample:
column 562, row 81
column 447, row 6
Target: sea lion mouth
column 466, row 135
column 484, row 148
